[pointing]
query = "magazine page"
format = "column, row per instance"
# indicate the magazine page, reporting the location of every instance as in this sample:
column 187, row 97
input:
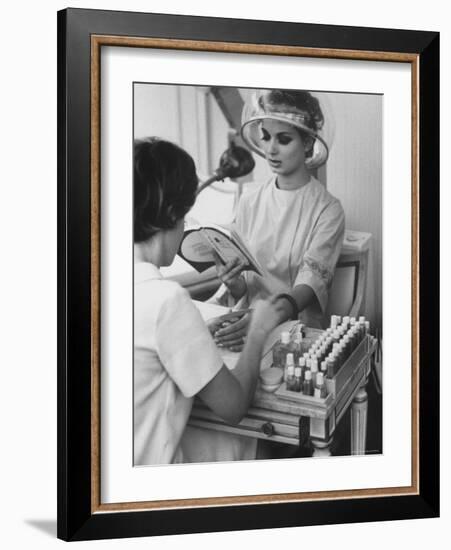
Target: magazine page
column 222, row 244
column 195, row 248
column 199, row 243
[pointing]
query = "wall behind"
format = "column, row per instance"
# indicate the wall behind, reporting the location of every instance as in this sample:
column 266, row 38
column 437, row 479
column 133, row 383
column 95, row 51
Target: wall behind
column 354, row 175
column 28, row 277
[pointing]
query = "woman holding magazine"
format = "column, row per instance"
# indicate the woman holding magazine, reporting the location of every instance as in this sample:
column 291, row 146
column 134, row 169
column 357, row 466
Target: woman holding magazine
column 292, row 225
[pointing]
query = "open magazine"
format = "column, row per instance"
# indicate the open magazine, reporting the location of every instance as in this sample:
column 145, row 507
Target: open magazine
column 199, row 242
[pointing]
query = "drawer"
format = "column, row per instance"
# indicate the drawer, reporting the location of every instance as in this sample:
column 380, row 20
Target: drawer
column 258, row 423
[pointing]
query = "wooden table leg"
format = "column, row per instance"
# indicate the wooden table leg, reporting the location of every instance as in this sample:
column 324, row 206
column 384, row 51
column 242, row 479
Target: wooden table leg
column 321, row 434
column 359, row 419
column 321, row 448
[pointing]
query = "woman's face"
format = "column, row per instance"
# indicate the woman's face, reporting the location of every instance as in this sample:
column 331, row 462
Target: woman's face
column 283, row 147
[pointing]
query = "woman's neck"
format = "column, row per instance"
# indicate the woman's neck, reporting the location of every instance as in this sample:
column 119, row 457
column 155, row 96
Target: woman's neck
column 293, row 181
column 148, row 251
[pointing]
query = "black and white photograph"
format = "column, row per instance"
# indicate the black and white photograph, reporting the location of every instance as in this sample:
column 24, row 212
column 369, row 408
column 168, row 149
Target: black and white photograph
column 257, row 274
column 225, row 263
column 241, row 247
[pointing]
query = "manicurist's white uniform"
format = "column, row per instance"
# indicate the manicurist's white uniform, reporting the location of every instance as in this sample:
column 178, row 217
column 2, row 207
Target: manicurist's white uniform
column 174, row 358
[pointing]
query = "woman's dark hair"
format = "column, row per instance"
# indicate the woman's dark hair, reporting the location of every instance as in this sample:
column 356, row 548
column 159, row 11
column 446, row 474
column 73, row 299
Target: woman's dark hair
column 302, row 101
column 164, row 185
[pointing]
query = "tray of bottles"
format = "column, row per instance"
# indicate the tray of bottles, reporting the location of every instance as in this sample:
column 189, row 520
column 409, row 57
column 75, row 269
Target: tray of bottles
column 298, row 397
column 333, row 385
column 354, row 362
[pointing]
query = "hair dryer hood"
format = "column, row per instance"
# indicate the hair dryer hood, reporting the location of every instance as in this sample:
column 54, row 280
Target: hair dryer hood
column 235, row 162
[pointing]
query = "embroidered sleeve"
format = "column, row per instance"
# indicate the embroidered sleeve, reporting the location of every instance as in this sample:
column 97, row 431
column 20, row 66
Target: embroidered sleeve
column 320, row 269
column 318, row 264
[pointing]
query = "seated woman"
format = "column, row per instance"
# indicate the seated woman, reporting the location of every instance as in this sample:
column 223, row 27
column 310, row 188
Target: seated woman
column 175, row 357
column 291, row 223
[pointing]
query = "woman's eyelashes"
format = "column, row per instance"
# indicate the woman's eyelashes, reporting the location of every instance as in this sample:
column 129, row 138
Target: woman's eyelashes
column 280, row 139
column 284, row 140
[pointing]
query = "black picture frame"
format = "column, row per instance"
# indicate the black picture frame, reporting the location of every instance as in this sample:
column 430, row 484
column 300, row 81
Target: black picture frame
column 77, row 516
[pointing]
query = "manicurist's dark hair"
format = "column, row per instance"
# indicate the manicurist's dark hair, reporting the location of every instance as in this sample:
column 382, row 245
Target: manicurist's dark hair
column 164, row 185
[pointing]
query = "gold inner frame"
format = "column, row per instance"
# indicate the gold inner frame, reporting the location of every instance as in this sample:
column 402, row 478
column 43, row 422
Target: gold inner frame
column 97, row 41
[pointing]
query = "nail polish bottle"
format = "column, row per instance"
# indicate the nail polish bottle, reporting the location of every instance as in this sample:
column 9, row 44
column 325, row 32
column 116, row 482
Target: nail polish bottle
column 280, row 350
column 302, row 364
column 320, row 387
column 291, row 380
column 297, row 347
column 314, row 371
column 289, row 363
column 331, row 366
column 298, row 378
column 307, row 387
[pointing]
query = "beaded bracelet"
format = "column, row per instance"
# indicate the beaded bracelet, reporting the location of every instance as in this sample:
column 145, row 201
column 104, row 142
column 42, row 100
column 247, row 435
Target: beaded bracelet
column 292, row 303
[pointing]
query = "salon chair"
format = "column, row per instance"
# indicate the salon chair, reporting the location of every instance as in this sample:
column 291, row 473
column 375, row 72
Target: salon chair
column 348, row 290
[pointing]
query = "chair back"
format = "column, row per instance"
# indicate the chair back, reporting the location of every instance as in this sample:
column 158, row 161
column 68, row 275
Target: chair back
column 348, row 290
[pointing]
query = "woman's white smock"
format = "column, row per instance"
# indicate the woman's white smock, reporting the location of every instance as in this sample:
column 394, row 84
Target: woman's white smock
column 174, row 358
column 296, row 236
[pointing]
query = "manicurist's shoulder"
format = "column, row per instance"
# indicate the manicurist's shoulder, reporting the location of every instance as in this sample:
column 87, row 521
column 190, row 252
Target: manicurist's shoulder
column 162, row 293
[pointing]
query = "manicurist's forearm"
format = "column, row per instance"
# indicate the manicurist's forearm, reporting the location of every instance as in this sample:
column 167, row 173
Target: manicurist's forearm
column 248, row 366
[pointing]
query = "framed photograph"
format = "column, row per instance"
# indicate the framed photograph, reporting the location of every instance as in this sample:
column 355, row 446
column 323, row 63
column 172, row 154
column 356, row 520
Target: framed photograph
column 248, row 274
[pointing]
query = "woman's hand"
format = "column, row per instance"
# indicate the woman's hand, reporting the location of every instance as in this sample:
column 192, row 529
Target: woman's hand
column 214, row 325
column 232, row 333
column 229, row 274
column 266, row 315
